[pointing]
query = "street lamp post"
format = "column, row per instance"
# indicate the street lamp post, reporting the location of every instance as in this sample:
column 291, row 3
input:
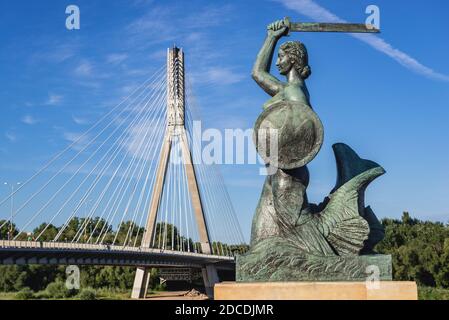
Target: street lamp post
column 12, row 185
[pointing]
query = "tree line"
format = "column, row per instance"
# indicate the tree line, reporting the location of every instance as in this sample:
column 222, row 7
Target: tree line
column 50, row 279
column 97, row 230
column 420, row 250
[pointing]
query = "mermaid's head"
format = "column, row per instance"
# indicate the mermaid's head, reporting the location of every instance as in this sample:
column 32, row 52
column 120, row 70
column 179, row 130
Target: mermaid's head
column 293, row 54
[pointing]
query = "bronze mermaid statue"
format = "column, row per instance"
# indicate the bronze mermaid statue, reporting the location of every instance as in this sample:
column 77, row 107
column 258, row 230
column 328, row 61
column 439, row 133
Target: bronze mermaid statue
column 292, row 239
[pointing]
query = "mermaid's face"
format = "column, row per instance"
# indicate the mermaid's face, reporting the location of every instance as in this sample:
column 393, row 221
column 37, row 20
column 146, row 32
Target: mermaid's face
column 284, row 63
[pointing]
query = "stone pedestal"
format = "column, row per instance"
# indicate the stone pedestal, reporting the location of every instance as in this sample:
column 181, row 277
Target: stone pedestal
column 384, row 290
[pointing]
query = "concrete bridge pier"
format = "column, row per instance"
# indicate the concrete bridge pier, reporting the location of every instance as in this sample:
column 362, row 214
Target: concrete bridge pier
column 210, row 278
column 140, row 286
column 142, row 278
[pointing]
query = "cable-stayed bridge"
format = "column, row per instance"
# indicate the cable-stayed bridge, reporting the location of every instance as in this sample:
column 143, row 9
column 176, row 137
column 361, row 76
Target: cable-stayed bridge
column 130, row 191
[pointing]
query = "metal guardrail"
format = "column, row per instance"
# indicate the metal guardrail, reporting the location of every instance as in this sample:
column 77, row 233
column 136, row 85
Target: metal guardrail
column 100, row 247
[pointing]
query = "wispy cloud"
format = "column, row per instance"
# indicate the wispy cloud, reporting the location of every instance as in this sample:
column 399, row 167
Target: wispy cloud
column 56, row 52
column 153, row 26
column 84, row 69
column 78, row 139
column 139, row 135
column 245, row 183
column 80, row 121
column 53, row 99
column 171, row 24
column 88, row 73
column 29, row 119
column 223, row 75
column 210, row 16
column 218, row 75
column 159, row 55
column 116, row 58
column 171, row 20
column 11, row 136
column 316, row 12
column 141, row 2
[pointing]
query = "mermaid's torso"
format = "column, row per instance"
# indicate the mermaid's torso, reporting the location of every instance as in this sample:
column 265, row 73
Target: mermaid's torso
column 269, row 218
column 290, row 92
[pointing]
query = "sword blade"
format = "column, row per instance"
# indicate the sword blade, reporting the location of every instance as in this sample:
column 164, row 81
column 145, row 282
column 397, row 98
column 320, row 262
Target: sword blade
column 333, row 27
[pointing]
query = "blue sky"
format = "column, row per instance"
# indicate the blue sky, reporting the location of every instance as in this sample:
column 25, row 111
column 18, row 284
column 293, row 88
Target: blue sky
column 387, row 97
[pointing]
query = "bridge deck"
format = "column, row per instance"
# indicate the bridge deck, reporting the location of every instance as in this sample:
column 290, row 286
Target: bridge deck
column 57, row 253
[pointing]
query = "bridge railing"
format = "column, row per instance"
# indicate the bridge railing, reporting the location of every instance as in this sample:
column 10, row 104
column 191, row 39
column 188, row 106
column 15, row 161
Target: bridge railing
column 101, row 247
column 19, row 244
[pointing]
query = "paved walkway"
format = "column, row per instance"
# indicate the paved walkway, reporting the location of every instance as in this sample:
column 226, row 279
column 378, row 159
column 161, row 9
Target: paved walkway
column 177, row 295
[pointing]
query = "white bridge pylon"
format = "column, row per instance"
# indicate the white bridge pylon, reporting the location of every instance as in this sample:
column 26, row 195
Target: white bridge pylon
column 175, row 148
column 176, row 140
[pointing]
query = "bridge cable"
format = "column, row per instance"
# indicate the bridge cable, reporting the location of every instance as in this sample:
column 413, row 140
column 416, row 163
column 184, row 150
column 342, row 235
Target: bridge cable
column 153, row 138
column 125, row 175
column 118, row 145
column 144, row 157
column 67, row 164
column 64, row 185
column 76, row 141
column 140, row 162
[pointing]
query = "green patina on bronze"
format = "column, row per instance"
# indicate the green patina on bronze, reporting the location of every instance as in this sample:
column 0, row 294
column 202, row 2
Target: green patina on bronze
column 292, row 239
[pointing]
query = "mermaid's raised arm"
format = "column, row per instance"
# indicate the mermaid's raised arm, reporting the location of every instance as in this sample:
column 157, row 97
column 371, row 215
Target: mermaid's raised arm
column 261, row 71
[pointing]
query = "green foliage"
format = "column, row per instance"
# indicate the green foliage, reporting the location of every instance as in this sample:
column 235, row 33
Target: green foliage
column 428, row 293
column 154, row 278
column 40, row 277
column 48, row 281
column 168, row 236
column 107, row 277
column 420, row 250
column 42, row 295
column 97, row 230
column 87, row 294
column 48, row 232
column 8, row 230
column 112, row 293
column 10, row 278
column 25, row 294
column 160, row 287
column 15, row 278
column 58, row 290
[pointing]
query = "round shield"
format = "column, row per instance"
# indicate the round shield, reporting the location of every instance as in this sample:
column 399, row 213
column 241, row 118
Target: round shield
column 288, row 135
